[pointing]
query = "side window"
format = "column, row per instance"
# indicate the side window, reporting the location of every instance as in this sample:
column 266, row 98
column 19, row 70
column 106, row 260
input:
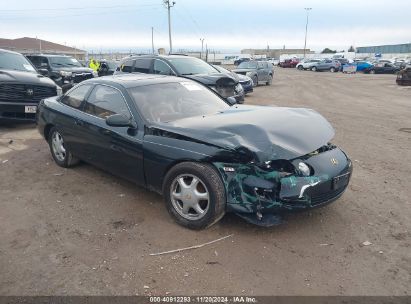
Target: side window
column 76, row 97
column 34, row 60
column 127, row 66
column 142, row 66
column 43, row 62
column 160, row 67
column 105, row 101
column 260, row 65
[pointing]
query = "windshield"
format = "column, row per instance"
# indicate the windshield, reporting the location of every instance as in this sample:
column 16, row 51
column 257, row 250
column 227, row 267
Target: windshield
column 221, row 69
column 191, row 66
column 17, row 62
column 247, row 65
column 177, row 100
column 64, row 61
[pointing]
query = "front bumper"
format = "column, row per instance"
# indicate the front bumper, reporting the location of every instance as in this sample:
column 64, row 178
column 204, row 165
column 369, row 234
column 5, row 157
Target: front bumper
column 251, row 189
column 15, row 112
column 247, row 86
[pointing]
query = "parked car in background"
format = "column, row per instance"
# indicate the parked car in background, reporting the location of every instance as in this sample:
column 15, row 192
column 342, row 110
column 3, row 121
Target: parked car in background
column 404, row 76
column 206, row 156
column 326, row 65
column 362, row 65
column 245, row 81
column 21, row 88
column 186, row 67
column 401, row 64
column 289, row 63
column 382, row 68
column 240, row 60
column 342, row 61
column 107, row 67
column 307, row 64
column 273, row 61
column 65, row 71
column 258, row 71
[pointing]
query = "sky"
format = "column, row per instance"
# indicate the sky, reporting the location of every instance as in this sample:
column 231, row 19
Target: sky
column 226, row 25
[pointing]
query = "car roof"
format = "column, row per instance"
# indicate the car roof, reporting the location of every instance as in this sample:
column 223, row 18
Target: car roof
column 135, row 80
column 156, row 56
column 48, row 55
column 10, row 52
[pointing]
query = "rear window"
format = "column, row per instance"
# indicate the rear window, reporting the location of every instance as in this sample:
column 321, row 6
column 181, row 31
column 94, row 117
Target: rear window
column 127, row 66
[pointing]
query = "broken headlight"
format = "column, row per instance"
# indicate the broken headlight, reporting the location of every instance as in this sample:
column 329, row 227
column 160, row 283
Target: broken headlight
column 304, row 169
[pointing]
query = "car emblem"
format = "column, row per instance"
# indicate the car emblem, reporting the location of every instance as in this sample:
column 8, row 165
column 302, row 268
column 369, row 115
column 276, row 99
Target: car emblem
column 29, row 92
column 334, row 161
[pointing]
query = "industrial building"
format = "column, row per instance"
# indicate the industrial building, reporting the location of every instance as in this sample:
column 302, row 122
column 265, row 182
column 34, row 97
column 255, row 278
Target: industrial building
column 27, row 45
column 276, row 53
column 386, row 51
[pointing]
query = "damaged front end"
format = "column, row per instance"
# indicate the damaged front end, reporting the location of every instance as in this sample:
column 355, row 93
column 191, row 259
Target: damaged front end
column 259, row 192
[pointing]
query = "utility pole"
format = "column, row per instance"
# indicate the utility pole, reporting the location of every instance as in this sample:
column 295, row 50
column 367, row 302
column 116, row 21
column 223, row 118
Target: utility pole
column 169, row 6
column 152, row 39
column 307, row 9
column 202, row 43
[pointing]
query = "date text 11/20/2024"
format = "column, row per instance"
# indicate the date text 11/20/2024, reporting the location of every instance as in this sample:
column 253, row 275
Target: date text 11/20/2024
column 203, row 299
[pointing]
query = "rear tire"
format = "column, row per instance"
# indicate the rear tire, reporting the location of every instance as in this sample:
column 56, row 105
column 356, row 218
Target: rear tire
column 194, row 194
column 255, row 80
column 332, row 70
column 270, row 80
column 61, row 155
column 372, row 72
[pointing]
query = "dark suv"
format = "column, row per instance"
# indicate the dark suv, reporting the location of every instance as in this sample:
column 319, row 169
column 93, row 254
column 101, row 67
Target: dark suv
column 65, row 71
column 184, row 66
column 21, row 88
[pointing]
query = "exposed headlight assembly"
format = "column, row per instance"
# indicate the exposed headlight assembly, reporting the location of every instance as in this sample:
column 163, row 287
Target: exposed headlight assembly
column 304, row 169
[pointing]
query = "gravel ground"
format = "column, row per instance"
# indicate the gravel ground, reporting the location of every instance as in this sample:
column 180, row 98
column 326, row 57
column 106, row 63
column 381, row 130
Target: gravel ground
column 85, row 232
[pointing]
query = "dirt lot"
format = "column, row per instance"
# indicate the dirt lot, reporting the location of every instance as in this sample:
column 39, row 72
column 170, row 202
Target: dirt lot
column 84, row 232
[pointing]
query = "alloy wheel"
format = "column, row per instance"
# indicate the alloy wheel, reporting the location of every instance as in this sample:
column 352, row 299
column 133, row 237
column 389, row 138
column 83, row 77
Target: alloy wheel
column 189, row 196
column 57, row 144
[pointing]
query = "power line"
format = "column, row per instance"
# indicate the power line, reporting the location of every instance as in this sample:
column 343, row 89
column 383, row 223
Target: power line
column 75, row 8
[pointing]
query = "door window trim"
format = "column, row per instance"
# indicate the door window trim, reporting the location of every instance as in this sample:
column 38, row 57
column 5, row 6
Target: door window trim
column 110, row 86
column 166, row 63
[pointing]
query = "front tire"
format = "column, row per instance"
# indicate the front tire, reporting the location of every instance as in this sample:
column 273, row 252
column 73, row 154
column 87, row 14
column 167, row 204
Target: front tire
column 372, row 72
column 61, row 155
column 270, row 80
column 332, row 70
column 300, row 67
column 314, row 69
column 194, row 195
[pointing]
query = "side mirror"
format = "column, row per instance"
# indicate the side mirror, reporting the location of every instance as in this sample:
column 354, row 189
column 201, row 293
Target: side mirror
column 120, row 120
column 43, row 71
column 231, row 100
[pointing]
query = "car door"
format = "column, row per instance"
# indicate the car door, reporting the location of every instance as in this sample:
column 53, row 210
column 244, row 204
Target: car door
column 261, row 71
column 70, row 123
column 115, row 149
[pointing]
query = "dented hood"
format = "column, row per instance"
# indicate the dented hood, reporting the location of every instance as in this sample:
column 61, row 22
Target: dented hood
column 263, row 133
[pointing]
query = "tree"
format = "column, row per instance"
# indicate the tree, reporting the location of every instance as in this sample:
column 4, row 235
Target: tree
column 351, row 49
column 328, row 51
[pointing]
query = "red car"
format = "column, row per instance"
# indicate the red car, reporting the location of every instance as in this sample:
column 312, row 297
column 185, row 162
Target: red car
column 289, row 63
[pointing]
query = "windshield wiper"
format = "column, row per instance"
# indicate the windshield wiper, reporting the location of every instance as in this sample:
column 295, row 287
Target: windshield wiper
column 187, row 74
